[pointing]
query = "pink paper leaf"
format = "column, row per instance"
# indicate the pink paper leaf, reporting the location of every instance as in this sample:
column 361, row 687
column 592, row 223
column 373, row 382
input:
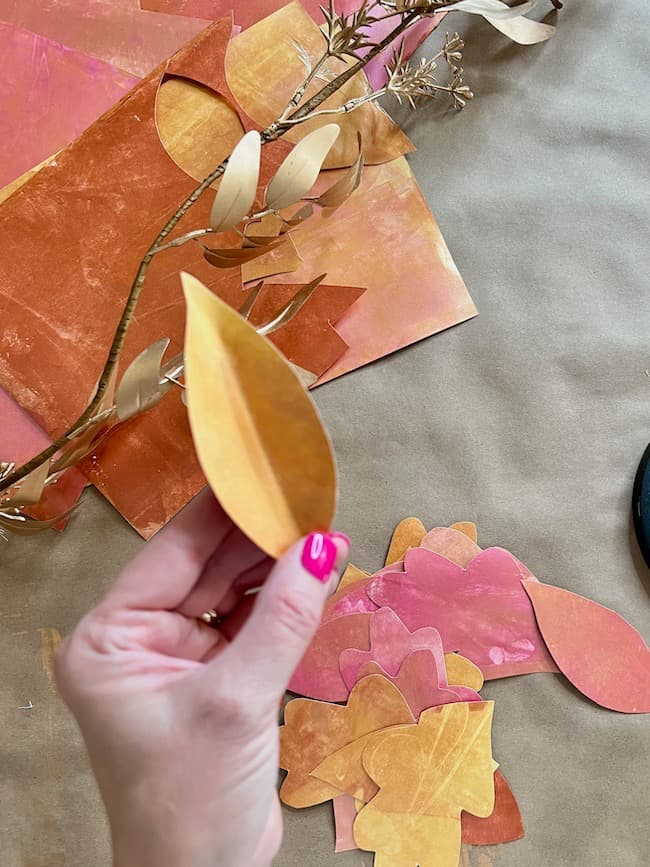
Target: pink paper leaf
column 390, row 644
column 421, row 683
column 318, row 675
column 480, row 611
column 594, row 647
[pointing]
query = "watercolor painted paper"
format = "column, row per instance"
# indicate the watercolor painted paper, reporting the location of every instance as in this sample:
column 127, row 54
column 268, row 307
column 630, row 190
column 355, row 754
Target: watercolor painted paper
column 594, row 647
column 59, row 89
column 479, row 611
column 313, row 730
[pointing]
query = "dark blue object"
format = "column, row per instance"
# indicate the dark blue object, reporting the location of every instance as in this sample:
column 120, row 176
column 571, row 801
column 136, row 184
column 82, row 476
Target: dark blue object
column 641, row 505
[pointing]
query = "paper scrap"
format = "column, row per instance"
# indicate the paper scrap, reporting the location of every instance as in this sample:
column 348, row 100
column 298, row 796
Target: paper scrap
column 503, row 825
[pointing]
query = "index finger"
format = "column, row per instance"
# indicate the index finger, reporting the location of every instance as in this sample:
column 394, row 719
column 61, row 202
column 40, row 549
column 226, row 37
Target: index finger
column 167, row 568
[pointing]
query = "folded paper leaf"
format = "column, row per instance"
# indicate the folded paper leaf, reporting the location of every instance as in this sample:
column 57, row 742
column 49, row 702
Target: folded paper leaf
column 523, row 30
column 140, row 386
column 258, row 437
column 594, row 647
column 445, row 766
column 503, row 825
column 479, row 611
column 313, row 730
column 408, row 534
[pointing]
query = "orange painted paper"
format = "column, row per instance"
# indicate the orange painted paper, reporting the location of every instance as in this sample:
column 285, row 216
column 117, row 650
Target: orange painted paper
column 503, row 825
column 313, row 730
column 452, row 544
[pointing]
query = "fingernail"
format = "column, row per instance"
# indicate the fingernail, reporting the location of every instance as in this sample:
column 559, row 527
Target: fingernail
column 336, row 535
column 319, row 556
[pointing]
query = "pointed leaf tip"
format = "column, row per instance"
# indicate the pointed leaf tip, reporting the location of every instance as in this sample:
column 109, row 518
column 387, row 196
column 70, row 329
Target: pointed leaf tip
column 258, row 436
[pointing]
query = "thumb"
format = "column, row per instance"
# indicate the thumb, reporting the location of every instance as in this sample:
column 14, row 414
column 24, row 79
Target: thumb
column 287, row 613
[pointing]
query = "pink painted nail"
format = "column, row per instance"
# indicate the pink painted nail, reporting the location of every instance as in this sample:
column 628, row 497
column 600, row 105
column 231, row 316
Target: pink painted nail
column 319, row 556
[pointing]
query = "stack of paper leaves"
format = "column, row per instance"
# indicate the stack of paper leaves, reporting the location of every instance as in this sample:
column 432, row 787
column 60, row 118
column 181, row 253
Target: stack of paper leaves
column 407, row 760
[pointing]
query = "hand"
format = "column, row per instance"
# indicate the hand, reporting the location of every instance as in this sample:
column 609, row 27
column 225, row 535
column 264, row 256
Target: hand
column 179, row 718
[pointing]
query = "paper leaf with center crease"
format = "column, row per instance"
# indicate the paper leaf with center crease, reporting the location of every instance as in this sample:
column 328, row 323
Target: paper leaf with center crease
column 298, row 173
column 140, row 386
column 258, row 436
column 238, row 186
column 524, row 31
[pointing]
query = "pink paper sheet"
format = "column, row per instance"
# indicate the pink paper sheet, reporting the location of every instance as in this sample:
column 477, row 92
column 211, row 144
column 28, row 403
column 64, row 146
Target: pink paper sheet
column 247, row 13
column 481, row 611
column 116, row 31
column 49, row 94
column 345, row 812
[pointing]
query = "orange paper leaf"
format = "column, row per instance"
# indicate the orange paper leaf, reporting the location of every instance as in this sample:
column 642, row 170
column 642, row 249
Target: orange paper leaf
column 504, row 824
column 452, row 544
column 259, row 439
column 314, row 730
column 408, row 534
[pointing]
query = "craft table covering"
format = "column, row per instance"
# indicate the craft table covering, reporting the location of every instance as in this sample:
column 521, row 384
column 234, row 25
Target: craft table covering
column 529, row 420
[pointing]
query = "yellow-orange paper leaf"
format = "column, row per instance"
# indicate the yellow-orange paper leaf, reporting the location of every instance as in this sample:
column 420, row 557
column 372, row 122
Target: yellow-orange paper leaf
column 298, row 173
column 408, row 534
column 466, row 527
column 238, row 187
column 257, row 434
column 462, row 672
column 426, row 775
column 313, row 730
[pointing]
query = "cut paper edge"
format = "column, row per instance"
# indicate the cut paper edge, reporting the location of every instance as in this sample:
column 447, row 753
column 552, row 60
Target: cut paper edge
column 596, row 649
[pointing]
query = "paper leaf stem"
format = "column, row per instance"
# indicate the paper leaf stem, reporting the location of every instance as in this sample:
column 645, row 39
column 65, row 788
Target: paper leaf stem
column 258, row 436
column 238, row 186
column 595, row 648
column 140, row 386
column 298, row 173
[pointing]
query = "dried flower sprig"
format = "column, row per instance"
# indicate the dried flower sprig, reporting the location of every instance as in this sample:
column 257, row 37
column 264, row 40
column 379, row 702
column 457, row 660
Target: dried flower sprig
column 345, row 35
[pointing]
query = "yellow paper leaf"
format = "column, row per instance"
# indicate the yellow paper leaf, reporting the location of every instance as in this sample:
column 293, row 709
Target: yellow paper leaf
column 258, row 436
column 427, row 774
column 466, row 527
column 298, row 173
column 140, row 387
column 238, row 186
column 313, row 730
column 407, row 534
column 462, row 672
